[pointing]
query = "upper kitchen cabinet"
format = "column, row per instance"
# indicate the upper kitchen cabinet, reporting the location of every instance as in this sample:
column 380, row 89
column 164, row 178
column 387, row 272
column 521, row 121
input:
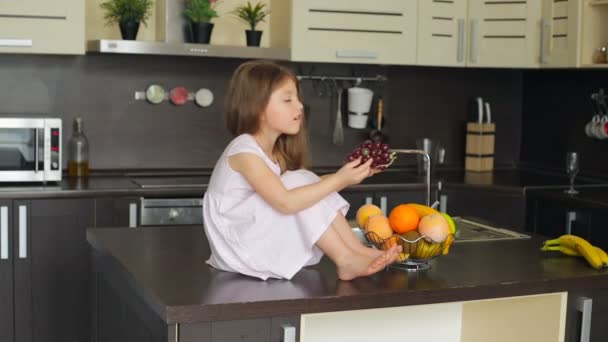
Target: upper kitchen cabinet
column 560, row 28
column 479, row 33
column 504, row 33
column 442, row 32
column 347, row 31
column 42, row 26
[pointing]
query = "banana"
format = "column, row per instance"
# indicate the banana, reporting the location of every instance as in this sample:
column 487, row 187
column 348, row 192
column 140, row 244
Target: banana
column 422, row 210
column 603, row 256
column 558, row 248
column 450, row 222
column 423, row 249
column 584, row 248
column 447, row 243
column 435, row 249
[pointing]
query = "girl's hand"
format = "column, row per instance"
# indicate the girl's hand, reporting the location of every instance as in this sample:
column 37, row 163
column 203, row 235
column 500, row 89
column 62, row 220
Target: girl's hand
column 353, row 173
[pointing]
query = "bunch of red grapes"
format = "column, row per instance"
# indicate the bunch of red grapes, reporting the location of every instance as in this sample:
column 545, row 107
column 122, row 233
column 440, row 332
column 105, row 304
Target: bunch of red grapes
column 379, row 151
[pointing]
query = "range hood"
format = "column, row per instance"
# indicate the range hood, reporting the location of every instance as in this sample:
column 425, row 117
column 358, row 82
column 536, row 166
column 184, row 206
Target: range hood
column 186, row 49
column 171, row 33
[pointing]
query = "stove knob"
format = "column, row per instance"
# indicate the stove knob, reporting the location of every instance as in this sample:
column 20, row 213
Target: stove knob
column 173, row 213
column 54, row 165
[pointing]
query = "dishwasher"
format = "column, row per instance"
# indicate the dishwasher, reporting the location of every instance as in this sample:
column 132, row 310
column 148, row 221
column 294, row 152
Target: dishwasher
column 170, row 211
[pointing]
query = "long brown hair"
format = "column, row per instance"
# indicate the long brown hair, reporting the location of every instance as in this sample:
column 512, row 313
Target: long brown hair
column 248, row 94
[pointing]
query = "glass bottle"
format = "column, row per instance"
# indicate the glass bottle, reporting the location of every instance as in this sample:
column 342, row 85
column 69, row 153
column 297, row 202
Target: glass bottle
column 78, row 161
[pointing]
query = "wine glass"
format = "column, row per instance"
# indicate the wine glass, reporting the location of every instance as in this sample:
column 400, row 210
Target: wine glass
column 571, row 171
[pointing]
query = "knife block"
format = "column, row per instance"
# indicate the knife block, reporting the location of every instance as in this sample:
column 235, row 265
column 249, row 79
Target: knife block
column 480, row 146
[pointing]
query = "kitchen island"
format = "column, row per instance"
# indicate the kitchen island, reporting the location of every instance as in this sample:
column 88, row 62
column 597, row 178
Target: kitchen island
column 152, row 284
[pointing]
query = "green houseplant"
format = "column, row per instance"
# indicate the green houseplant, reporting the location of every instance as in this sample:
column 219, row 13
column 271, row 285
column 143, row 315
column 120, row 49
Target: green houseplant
column 199, row 14
column 128, row 14
column 252, row 15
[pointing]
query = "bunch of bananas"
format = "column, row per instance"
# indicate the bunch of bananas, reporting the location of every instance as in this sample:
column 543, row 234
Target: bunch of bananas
column 577, row 246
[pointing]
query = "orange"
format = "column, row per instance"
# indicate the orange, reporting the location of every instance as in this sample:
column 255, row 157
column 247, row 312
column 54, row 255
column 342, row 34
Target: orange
column 378, row 228
column 364, row 213
column 403, row 218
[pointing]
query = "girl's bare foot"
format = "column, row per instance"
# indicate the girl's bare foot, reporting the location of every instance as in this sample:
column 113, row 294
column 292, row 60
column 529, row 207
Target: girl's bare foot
column 360, row 265
column 371, row 252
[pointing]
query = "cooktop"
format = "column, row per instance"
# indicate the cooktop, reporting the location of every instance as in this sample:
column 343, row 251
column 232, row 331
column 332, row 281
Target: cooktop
column 171, row 182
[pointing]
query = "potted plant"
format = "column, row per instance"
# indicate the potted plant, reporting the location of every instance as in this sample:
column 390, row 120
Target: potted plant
column 128, row 14
column 199, row 13
column 252, row 15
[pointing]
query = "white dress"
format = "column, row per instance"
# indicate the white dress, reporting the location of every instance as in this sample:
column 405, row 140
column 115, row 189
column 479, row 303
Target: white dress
column 247, row 235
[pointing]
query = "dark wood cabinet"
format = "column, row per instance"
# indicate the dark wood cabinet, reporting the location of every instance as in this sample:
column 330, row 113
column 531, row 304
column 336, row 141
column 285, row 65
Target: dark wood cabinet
column 386, row 200
column 596, row 317
column 7, row 332
column 49, row 266
column 116, row 212
column 505, row 209
column 554, row 217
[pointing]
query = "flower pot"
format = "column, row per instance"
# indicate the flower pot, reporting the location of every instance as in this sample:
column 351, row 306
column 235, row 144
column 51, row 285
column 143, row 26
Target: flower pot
column 128, row 29
column 253, row 37
column 201, row 32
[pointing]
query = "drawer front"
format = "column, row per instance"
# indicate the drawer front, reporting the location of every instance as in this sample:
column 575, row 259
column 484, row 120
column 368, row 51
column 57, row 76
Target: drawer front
column 355, row 31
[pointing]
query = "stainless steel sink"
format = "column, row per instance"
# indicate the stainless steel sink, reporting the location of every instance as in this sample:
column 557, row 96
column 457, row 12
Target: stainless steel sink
column 471, row 231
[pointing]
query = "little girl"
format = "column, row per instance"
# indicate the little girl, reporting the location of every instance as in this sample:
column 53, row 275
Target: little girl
column 264, row 214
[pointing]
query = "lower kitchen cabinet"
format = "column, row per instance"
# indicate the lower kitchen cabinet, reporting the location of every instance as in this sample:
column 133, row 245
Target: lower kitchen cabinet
column 386, row 200
column 553, row 218
column 577, row 317
column 46, row 258
column 116, row 212
column 507, row 210
column 7, row 332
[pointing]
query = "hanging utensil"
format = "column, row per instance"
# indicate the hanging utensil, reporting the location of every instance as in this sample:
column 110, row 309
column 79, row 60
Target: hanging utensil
column 338, row 135
column 376, row 134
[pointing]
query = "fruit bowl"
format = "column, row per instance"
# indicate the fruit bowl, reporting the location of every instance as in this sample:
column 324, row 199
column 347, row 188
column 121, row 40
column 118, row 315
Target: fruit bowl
column 417, row 252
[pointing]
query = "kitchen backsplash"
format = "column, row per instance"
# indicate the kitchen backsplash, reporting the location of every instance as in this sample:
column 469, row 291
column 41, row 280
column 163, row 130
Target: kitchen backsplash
column 557, row 106
column 129, row 134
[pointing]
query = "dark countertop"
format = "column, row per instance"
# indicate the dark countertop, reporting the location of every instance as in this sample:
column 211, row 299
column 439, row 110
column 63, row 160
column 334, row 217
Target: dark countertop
column 189, row 185
column 588, row 197
column 165, row 268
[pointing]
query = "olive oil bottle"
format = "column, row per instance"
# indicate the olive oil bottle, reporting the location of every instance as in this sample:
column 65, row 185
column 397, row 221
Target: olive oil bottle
column 78, row 161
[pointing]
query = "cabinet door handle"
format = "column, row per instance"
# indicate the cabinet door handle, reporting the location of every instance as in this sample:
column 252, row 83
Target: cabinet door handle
column 443, row 203
column 15, row 42
column 357, row 54
column 383, row 205
column 289, row 333
column 132, row 215
column 460, row 49
column 369, row 200
column 584, row 306
column 4, row 233
column 570, row 217
column 22, row 231
column 545, row 28
column 474, row 41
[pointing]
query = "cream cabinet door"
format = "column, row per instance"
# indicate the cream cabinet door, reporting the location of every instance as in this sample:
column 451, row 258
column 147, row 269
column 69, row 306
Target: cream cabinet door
column 41, row 26
column 354, row 31
column 442, row 32
column 504, row 33
column 46, row 8
column 560, row 33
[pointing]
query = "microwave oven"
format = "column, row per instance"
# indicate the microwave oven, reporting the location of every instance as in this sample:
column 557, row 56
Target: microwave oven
column 30, row 149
